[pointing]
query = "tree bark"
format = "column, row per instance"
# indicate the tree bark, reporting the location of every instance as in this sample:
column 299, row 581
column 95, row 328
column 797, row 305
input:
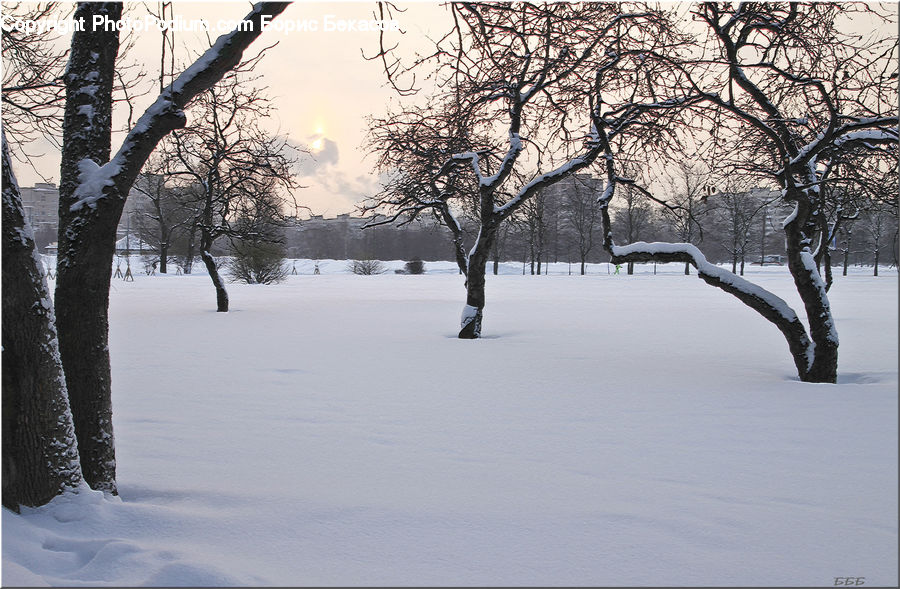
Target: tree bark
column 40, row 453
column 92, row 194
column 87, row 246
column 811, row 288
column 470, row 325
column 218, row 283
column 163, row 256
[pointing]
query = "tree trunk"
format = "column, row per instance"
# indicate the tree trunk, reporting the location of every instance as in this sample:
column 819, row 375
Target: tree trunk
column 630, row 269
column 811, row 288
column 687, row 269
column 846, row 259
column 876, row 262
column 742, row 265
column 189, row 253
column 40, row 453
column 87, row 245
column 734, row 262
column 582, row 265
column 470, row 323
column 221, row 293
column 163, row 256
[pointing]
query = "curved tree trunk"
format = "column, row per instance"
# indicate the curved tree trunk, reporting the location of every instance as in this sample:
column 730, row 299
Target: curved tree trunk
column 40, row 453
column 221, row 293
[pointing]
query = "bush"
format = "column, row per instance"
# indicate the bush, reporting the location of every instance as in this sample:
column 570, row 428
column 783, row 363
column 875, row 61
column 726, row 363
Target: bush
column 257, row 262
column 415, row 266
column 366, row 267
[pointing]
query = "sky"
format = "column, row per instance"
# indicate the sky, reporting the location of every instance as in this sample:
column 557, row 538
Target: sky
column 322, row 89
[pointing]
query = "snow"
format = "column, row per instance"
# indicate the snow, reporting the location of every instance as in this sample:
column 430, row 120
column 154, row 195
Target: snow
column 607, row 430
column 92, row 179
column 775, row 302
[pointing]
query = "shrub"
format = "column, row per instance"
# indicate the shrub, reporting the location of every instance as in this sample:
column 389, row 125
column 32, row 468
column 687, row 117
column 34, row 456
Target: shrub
column 257, row 262
column 366, row 267
column 415, row 266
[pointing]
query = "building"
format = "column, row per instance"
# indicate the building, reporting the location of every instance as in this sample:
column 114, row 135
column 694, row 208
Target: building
column 41, row 205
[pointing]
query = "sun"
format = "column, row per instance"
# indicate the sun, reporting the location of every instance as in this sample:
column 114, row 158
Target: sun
column 318, row 144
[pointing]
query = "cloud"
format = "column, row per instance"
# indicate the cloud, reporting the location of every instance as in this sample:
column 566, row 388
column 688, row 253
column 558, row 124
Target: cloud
column 309, row 161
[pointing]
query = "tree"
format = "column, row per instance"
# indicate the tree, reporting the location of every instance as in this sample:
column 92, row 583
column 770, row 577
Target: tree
column 795, row 93
column 33, row 90
column 93, row 190
column 737, row 213
column 529, row 77
column 414, row 148
column 878, row 221
column 165, row 216
column 40, row 453
column 632, row 217
column 230, row 168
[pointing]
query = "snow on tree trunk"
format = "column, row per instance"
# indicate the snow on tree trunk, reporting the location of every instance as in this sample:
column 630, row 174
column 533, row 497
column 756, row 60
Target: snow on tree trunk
column 40, row 453
column 470, row 322
column 218, row 283
column 87, row 243
column 92, row 194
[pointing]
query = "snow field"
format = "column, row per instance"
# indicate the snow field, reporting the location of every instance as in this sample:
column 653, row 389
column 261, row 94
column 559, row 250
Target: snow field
column 607, row 430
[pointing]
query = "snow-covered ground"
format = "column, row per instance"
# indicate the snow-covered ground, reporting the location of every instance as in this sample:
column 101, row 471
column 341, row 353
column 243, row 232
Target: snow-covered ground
column 607, row 430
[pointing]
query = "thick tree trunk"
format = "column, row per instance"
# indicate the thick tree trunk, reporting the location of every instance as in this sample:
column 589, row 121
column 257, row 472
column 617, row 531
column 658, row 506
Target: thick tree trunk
column 40, row 453
column 87, row 245
column 811, row 288
column 221, row 293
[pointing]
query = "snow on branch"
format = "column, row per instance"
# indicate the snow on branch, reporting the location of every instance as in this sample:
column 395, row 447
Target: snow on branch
column 167, row 114
column 767, row 304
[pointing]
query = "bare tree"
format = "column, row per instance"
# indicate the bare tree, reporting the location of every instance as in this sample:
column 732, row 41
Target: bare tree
column 795, row 93
column 530, row 77
column 737, row 212
column 230, row 168
column 166, row 216
column 414, row 148
column 33, row 89
column 94, row 185
column 632, row 217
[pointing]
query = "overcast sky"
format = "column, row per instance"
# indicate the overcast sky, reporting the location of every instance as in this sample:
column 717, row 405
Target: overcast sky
column 321, row 87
